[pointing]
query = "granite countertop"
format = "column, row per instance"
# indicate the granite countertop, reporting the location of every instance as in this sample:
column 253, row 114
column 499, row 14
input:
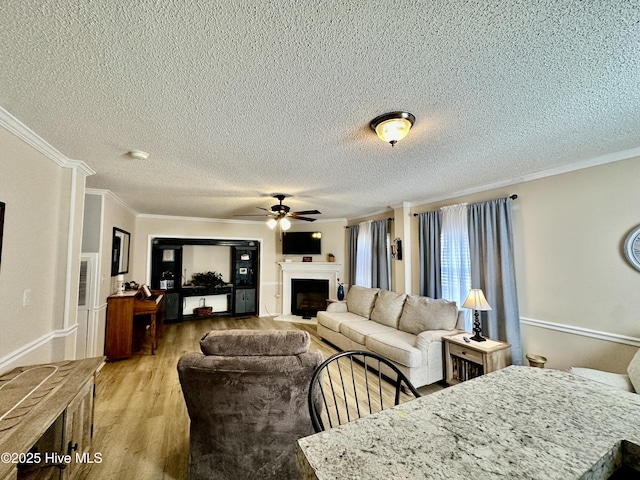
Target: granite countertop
column 518, row 422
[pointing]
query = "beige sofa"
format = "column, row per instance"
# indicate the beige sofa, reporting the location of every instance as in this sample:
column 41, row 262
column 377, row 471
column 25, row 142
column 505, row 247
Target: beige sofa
column 407, row 329
column 629, row 381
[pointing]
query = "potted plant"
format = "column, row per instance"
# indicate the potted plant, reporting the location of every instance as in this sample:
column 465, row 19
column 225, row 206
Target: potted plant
column 208, row 279
column 330, row 257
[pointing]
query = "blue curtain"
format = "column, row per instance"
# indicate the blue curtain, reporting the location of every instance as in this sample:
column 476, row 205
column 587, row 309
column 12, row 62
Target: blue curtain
column 493, row 270
column 380, row 258
column 429, row 244
column 353, row 250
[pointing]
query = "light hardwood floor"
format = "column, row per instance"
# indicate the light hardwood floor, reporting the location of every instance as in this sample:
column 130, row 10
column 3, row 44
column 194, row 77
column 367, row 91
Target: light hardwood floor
column 141, row 426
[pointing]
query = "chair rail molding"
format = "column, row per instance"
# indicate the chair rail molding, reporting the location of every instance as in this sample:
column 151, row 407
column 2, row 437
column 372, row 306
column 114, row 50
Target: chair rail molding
column 42, row 343
column 584, row 332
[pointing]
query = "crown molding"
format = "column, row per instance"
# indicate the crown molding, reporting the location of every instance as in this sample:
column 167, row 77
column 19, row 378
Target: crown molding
column 23, row 132
column 225, row 220
column 372, row 214
column 200, row 219
column 108, row 194
column 572, row 167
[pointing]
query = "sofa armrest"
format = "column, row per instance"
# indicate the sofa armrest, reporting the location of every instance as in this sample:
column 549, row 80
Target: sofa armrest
column 424, row 339
column 337, row 307
column 618, row 380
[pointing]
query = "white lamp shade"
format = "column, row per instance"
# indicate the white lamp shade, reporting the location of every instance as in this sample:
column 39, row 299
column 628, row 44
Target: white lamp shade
column 476, row 301
column 272, row 223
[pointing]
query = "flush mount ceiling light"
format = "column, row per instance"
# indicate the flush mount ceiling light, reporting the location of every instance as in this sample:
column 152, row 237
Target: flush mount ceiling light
column 139, row 154
column 392, row 127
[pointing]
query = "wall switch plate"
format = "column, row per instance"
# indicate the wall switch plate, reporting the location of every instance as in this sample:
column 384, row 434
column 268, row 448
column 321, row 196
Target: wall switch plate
column 26, row 297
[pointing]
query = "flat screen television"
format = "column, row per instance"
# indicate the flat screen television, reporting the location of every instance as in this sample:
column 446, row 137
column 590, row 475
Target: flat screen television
column 301, row 243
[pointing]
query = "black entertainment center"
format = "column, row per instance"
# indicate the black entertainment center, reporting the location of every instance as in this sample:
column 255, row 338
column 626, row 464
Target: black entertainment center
column 242, row 291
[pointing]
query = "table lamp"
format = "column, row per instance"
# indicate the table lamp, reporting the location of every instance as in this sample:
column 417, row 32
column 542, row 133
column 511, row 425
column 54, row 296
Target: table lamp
column 476, row 301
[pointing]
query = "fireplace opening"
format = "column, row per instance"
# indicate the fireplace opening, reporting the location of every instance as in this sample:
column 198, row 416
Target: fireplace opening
column 308, row 296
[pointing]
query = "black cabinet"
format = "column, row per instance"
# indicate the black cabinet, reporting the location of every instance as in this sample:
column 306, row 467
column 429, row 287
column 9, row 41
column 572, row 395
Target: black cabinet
column 244, row 278
column 172, row 306
column 166, row 265
column 245, row 301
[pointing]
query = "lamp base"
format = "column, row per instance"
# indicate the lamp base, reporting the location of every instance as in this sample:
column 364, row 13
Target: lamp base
column 477, row 330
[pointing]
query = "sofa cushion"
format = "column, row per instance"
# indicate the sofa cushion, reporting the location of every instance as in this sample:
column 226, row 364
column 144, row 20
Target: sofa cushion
column 360, row 300
column 397, row 346
column 255, row 342
column 388, row 308
column 617, row 380
column 333, row 320
column 358, row 331
column 633, row 370
column 423, row 313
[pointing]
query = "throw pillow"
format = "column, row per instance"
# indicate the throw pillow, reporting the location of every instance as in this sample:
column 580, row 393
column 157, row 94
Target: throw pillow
column 237, row 343
column 423, row 313
column 388, row 308
column 633, row 370
column 360, row 300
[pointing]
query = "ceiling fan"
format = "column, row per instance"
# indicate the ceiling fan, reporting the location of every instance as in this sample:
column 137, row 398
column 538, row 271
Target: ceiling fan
column 281, row 213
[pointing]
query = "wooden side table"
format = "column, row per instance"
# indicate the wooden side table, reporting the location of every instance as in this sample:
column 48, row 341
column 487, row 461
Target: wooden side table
column 467, row 360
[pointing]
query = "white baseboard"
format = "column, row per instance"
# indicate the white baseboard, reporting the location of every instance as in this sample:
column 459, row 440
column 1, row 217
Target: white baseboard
column 585, row 332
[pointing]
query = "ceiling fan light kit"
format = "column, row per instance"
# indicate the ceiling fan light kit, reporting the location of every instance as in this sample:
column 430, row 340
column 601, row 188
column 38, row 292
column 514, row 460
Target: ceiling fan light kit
column 281, row 214
column 393, row 126
column 285, row 224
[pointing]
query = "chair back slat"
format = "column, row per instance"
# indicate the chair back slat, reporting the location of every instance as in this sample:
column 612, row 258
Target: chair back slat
column 352, row 384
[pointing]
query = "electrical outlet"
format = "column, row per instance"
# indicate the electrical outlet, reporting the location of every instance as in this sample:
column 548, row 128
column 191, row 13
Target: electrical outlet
column 26, row 297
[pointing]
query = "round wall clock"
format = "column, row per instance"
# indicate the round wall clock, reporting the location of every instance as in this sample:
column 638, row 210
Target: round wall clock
column 632, row 247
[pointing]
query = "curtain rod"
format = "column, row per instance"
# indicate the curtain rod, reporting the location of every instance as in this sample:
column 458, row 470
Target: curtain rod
column 512, row 197
column 349, row 226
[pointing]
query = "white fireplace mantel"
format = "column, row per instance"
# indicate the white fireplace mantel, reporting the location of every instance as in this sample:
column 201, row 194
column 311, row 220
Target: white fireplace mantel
column 306, row 270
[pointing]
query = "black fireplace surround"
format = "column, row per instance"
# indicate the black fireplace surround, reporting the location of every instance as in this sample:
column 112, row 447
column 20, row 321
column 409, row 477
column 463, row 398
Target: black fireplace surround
column 308, row 296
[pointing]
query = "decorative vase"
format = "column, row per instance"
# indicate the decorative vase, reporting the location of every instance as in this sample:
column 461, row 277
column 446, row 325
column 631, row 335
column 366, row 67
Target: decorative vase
column 340, row 292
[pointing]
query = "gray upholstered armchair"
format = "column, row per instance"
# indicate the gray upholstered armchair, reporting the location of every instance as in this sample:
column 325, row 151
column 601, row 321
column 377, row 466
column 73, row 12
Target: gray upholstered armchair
column 246, row 395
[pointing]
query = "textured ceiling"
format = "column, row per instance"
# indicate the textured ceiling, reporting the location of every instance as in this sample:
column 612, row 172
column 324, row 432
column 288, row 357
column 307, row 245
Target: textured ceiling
column 236, row 100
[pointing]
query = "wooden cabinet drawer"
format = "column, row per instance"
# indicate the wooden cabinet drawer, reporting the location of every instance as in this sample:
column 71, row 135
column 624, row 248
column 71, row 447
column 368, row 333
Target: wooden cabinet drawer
column 466, row 353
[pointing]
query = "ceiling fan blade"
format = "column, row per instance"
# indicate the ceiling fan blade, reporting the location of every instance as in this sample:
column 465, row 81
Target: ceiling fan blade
column 307, row 212
column 265, row 209
column 306, row 219
column 256, row 215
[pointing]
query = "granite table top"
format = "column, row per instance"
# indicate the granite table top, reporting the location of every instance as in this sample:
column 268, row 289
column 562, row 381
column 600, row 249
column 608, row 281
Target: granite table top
column 518, row 422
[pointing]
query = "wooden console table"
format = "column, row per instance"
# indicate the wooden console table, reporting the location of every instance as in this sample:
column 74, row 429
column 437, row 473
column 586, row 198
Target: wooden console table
column 46, row 419
column 121, row 312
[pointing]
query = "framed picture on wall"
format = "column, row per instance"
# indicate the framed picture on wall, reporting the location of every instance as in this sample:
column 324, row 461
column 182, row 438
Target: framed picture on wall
column 2, row 205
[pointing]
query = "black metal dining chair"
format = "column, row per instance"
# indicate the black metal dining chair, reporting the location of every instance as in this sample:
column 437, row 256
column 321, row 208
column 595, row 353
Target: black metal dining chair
column 355, row 383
